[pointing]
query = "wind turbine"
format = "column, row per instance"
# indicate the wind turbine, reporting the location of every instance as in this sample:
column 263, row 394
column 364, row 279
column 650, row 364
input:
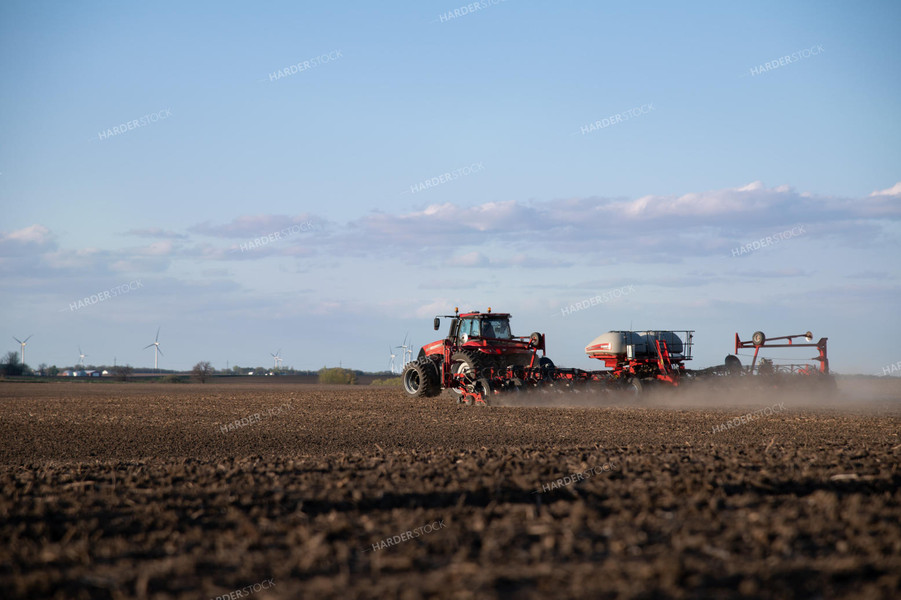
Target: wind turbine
column 81, row 356
column 23, row 345
column 277, row 357
column 407, row 350
column 156, row 349
column 392, row 365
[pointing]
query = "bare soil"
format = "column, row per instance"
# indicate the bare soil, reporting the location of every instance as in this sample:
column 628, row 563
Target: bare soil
column 142, row 490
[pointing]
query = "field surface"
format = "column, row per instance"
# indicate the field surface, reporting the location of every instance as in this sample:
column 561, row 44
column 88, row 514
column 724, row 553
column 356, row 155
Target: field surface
column 280, row 490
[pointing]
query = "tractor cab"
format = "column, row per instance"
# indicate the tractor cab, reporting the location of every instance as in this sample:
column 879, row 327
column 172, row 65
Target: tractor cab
column 483, row 326
column 485, row 333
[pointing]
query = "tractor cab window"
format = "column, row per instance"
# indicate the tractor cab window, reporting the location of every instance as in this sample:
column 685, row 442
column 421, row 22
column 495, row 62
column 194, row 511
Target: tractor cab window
column 468, row 327
column 496, row 328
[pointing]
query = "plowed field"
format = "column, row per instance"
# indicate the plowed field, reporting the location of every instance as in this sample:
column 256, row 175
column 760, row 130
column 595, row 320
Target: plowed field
column 142, row 490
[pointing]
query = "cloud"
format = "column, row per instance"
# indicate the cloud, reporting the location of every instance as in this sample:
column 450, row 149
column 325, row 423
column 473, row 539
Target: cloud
column 34, row 239
column 772, row 273
column 470, row 259
column 894, row 191
column 533, row 234
column 478, row 259
column 252, row 226
column 649, row 229
column 869, row 275
column 156, row 232
column 164, row 248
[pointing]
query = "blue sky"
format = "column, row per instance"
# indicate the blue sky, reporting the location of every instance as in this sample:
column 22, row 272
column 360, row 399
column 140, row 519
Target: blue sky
column 546, row 209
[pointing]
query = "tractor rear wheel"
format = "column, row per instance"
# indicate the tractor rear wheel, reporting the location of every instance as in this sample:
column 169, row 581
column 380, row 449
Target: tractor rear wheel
column 468, row 363
column 421, row 379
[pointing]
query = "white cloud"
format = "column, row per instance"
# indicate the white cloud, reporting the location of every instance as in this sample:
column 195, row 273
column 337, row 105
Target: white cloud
column 895, row 191
column 31, row 240
column 35, row 234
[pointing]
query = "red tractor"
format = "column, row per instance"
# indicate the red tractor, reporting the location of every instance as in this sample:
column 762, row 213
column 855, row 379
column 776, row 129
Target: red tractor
column 479, row 356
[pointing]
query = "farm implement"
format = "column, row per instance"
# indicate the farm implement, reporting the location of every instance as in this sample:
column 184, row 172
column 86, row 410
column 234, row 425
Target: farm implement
column 480, row 359
column 769, row 373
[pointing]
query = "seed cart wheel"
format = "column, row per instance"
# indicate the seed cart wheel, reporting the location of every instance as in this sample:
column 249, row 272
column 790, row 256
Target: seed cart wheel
column 547, row 367
column 634, row 387
column 733, row 365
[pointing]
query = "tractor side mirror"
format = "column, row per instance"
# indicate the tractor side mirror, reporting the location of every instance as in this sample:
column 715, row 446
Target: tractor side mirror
column 437, row 323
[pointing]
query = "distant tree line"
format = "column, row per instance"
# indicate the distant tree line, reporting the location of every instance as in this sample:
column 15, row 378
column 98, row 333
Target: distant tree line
column 202, row 371
column 11, row 367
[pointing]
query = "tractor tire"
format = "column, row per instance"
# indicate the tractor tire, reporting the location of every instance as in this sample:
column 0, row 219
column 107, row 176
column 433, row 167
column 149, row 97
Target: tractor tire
column 470, row 363
column 435, row 358
column 420, row 379
column 732, row 365
column 483, row 386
